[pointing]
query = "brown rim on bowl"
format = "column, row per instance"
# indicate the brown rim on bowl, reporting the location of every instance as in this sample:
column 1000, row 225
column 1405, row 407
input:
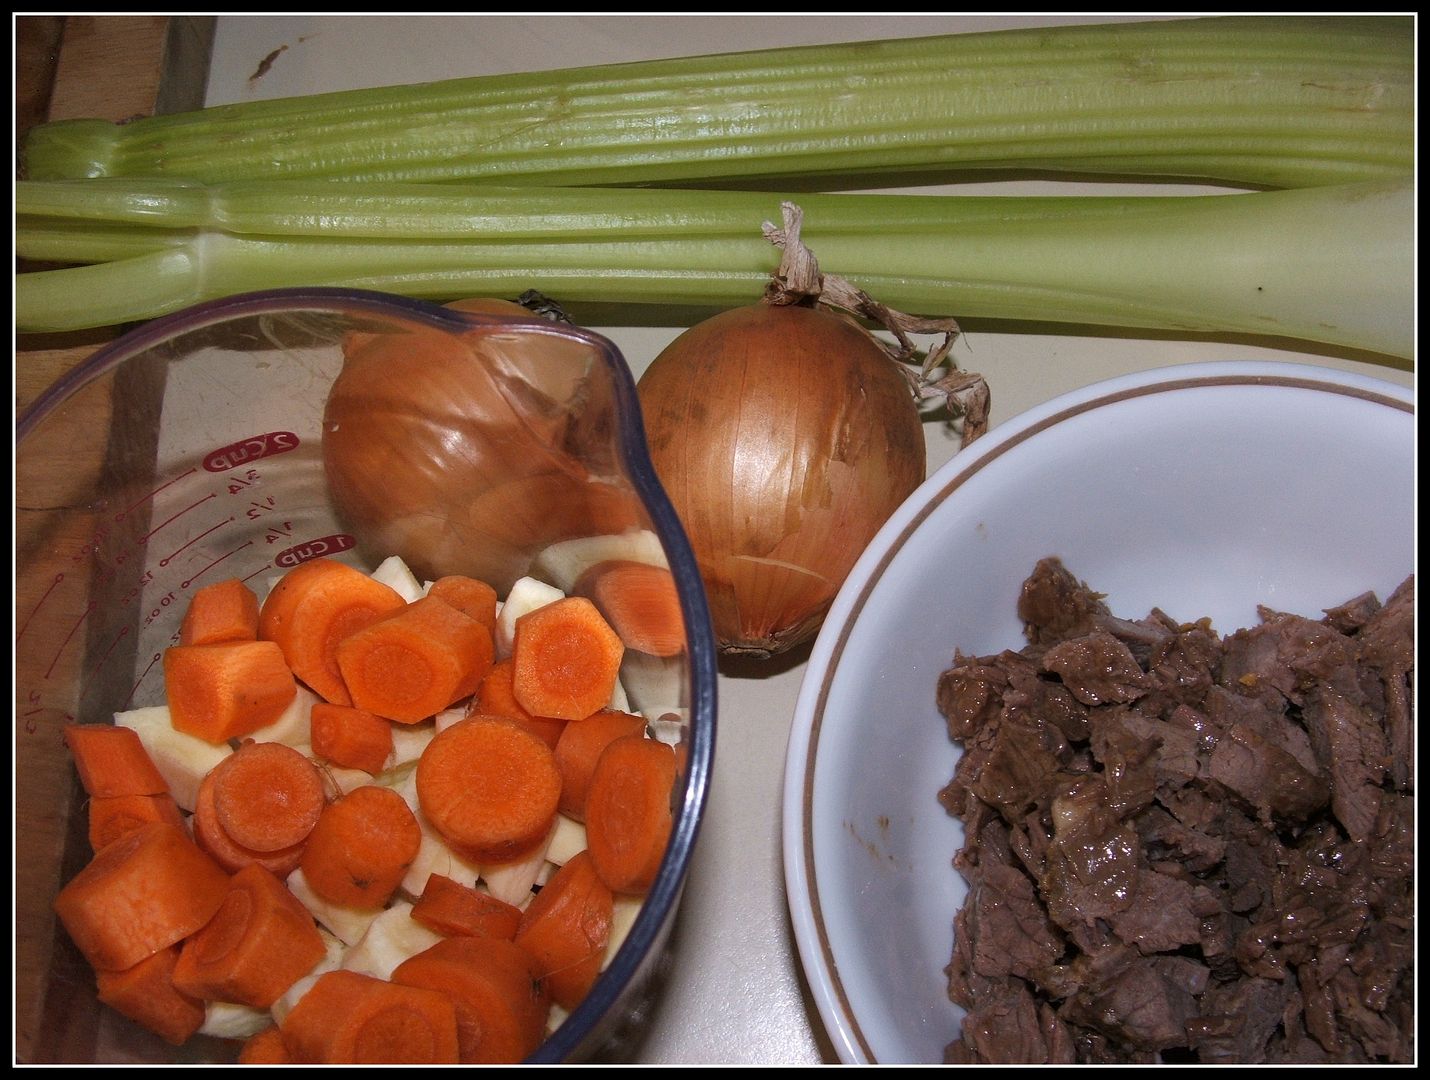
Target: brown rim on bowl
column 895, row 546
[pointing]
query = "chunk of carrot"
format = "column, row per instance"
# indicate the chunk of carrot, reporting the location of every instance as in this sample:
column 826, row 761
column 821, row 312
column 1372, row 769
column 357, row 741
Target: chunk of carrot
column 628, row 812
column 501, row 1005
column 265, row 1047
column 209, row 834
column 314, row 607
column 489, row 787
column 579, row 748
column 361, row 847
column 223, row 692
column 416, row 662
column 267, row 796
column 352, row 738
column 111, row 760
column 113, row 816
column 223, row 611
column 259, row 943
column 567, row 659
column 640, row 601
column 147, row 995
column 348, row 1018
column 452, row 909
column 142, row 893
column 495, row 697
column 567, row 927
column 469, row 595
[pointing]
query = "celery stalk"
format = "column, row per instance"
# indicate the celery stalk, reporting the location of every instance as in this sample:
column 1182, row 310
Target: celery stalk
column 1326, row 264
column 1259, row 101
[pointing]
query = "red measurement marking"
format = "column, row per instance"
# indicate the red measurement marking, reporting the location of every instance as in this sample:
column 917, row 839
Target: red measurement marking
column 260, row 570
column 124, row 633
column 313, row 549
column 121, row 515
column 180, row 514
column 210, row 566
column 142, row 676
column 250, row 449
column 89, row 610
column 169, row 558
column 53, row 585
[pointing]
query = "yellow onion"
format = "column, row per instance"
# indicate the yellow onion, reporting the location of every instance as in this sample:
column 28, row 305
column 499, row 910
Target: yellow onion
column 785, row 437
column 468, row 453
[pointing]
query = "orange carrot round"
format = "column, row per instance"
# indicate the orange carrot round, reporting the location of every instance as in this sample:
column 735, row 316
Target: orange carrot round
column 628, row 812
column 495, row 697
column 265, row 1047
column 113, row 816
column 450, row 908
column 567, row 659
column 567, row 927
column 223, row 692
column 146, row 994
column 112, row 760
column 469, row 595
column 259, row 943
column 500, row 1003
column 641, row 603
column 267, row 796
column 223, row 611
column 348, row 1018
column 579, row 748
column 490, row 787
column 315, row 606
column 209, row 834
column 415, row 662
column 361, row 847
column 142, row 893
column 352, row 738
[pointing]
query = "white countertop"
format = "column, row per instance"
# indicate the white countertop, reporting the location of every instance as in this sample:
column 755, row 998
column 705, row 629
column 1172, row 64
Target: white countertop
column 736, row 995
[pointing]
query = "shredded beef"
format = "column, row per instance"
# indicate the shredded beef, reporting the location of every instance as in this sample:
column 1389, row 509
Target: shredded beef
column 1182, row 847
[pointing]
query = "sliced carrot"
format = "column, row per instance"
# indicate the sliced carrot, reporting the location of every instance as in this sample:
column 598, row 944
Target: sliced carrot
column 140, row 894
column 112, row 816
column 352, row 738
column 147, row 995
column 416, row 662
column 501, row 1004
column 223, row 611
column 579, row 748
column 450, row 908
column 232, row 856
column 259, row 943
column 265, row 1047
column 112, row 760
column 314, row 607
column 490, row 787
column 469, row 595
column 641, row 603
column 567, row 927
column 223, row 692
column 567, row 659
column 267, row 796
column 495, row 697
column 361, row 847
column 628, row 812
column 348, row 1018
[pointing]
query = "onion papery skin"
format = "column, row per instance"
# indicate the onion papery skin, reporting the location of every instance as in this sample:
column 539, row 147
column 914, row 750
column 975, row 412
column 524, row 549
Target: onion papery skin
column 469, row 453
column 785, row 437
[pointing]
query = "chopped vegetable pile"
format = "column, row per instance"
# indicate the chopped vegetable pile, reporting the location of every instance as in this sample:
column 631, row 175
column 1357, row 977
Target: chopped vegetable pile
column 376, row 821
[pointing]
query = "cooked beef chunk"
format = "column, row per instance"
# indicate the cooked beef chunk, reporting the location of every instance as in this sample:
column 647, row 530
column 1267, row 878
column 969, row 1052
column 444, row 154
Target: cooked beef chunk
column 1185, row 847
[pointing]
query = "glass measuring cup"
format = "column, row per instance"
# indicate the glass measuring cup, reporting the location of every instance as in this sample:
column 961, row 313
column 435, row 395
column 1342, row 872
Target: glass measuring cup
column 193, row 450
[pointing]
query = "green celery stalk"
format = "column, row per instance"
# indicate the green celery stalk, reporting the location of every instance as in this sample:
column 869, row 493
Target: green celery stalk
column 1258, row 101
column 1327, row 264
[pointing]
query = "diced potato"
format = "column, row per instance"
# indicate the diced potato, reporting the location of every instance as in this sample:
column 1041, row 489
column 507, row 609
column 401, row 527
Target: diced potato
column 347, row 924
column 563, row 564
column 390, row 939
column 295, row 726
column 527, row 594
column 395, row 574
column 225, row 1020
column 183, row 760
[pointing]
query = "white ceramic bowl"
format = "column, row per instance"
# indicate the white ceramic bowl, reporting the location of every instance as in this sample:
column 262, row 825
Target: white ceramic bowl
column 1204, row 490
